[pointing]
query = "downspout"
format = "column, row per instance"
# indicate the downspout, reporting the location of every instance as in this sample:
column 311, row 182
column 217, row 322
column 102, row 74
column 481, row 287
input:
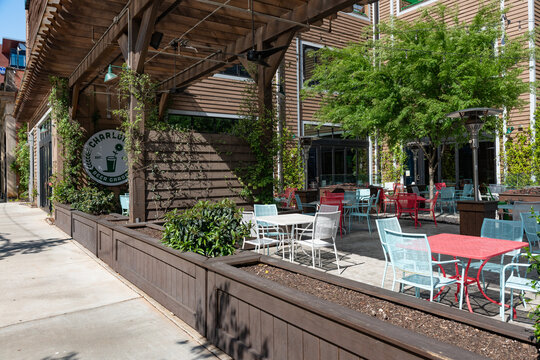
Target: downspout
column 532, row 70
column 280, row 101
column 299, row 64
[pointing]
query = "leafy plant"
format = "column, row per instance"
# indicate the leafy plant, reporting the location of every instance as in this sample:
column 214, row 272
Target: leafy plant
column 393, row 164
column 534, row 260
column 405, row 81
column 209, row 229
column 21, row 164
column 92, row 200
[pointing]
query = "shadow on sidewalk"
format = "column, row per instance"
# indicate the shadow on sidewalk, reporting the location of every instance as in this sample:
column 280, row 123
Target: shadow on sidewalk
column 8, row 248
column 70, row 356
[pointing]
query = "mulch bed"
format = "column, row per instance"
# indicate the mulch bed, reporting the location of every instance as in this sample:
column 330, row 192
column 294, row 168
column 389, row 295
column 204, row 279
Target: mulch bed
column 158, row 234
column 458, row 334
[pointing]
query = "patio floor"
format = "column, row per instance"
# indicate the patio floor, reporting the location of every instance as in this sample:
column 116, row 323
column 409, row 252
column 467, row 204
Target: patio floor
column 361, row 258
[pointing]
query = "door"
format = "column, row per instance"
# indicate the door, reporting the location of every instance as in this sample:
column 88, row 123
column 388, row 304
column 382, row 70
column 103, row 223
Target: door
column 45, row 165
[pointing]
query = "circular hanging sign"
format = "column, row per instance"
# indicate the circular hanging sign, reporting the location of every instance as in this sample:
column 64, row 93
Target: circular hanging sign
column 104, row 158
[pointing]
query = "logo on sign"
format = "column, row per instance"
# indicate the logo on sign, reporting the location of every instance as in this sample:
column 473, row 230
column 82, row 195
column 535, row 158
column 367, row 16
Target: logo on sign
column 104, row 158
column 2, row 70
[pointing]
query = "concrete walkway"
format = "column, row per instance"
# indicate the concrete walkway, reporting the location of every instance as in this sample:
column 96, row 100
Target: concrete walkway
column 57, row 302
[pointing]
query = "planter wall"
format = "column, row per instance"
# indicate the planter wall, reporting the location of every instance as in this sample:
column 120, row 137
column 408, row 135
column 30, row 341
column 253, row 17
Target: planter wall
column 253, row 318
column 62, row 217
column 511, row 197
column 472, row 214
column 176, row 280
column 84, row 230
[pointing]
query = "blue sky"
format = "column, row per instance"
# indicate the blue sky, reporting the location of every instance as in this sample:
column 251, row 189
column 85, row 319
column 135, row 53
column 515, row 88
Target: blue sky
column 13, row 22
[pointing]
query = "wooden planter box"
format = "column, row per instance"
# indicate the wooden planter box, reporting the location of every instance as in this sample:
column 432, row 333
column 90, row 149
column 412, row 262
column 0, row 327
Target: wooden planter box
column 84, row 230
column 253, row 318
column 472, row 214
column 62, row 217
column 175, row 279
column 510, row 197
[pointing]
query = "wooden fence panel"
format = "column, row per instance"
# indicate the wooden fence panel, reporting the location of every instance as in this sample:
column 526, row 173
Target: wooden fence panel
column 105, row 243
column 183, row 168
column 62, row 217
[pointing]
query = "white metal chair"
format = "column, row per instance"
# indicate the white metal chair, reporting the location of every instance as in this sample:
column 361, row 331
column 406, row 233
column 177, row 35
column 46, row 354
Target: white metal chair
column 514, row 282
column 386, row 224
column 411, row 254
column 256, row 239
column 269, row 230
column 328, row 208
column 321, row 235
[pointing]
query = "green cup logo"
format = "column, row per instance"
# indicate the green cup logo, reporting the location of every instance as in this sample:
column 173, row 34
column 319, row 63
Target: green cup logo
column 104, row 158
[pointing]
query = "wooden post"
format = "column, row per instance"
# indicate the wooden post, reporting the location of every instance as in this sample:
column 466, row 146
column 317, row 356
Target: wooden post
column 141, row 31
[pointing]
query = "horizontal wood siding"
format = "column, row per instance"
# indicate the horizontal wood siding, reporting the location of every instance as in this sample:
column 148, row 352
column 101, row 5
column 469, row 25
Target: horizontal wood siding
column 183, row 169
column 174, row 279
column 84, row 230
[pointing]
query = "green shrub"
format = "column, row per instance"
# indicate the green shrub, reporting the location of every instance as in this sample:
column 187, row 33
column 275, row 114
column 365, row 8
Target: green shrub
column 63, row 192
column 92, row 200
column 21, row 164
column 209, row 229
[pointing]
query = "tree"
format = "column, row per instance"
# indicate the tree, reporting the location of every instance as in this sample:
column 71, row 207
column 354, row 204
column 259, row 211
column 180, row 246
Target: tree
column 416, row 72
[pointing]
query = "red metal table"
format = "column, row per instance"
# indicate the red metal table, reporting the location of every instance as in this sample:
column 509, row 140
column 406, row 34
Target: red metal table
column 472, row 248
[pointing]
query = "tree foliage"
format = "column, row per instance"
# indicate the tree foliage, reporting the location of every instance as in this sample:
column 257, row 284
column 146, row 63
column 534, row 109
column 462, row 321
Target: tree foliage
column 21, row 164
column 416, row 72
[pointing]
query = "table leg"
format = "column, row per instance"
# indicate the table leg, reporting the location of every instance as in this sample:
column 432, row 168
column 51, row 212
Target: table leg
column 482, row 290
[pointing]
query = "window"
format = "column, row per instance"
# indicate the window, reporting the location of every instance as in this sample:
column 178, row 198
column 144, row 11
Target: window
column 405, row 4
column 203, row 124
column 17, row 59
column 309, row 61
column 360, row 10
column 236, row 70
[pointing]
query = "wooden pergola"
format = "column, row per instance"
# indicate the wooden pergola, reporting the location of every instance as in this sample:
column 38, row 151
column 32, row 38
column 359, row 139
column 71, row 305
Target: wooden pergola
column 78, row 39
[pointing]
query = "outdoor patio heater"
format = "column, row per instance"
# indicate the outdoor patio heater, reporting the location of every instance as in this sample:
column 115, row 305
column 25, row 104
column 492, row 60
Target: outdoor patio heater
column 474, row 120
column 415, row 149
column 305, row 142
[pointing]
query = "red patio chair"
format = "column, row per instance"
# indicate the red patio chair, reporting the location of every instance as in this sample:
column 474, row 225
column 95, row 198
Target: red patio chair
column 340, row 196
column 431, row 203
column 407, row 204
column 439, row 186
column 336, row 202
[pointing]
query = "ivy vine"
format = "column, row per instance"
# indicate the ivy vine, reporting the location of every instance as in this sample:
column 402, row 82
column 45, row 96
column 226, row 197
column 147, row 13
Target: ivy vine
column 21, row 165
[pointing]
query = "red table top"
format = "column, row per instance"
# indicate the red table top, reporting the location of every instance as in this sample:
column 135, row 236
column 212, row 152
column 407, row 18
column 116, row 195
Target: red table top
column 472, row 247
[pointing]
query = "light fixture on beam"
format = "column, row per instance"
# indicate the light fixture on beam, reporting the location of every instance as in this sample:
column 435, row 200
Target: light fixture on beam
column 110, row 75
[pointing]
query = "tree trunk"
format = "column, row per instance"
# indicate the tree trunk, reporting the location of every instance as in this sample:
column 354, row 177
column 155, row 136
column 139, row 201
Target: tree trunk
column 432, row 167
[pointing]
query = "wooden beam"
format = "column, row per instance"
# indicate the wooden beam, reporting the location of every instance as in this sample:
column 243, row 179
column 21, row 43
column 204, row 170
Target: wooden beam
column 119, row 27
column 75, row 100
column 308, row 13
column 145, row 30
column 163, row 104
column 123, row 43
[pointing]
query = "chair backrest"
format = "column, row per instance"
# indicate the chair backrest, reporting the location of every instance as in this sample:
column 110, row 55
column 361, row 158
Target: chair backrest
column 406, row 201
column 265, row 210
column 332, row 201
column 299, row 205
column 409, row 252
column 435, row 197
column 524, row 206
column 531, row 226
column 350, row 196
column 447, row 193
column 326, row 225
column 415, row 190
column 248, row 218
column 340, row 196
column 467, row 189
column 363, row 193
column 324, row 208
column 497, row 189
column 503, row 229
column 440, row 185
column 387, row 224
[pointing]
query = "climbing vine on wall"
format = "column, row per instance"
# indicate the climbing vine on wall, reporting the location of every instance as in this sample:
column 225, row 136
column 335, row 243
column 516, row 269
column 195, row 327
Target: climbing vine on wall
column 393, row 164
column 21, row 165
column 71, row 136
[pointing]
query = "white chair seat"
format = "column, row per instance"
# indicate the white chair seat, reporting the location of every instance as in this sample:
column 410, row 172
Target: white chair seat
column 316, row 243
column 264, row 241
column 519, row 283
column 424, row 281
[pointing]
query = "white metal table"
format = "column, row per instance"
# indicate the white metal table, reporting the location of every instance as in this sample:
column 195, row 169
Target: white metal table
column 288, row 221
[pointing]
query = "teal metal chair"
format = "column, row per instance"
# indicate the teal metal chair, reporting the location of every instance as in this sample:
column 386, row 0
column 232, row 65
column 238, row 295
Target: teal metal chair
column 532, row 228
column 382, row 225
column 365, row 211
column 300, row 206
column 515, row 281
column 410, row 254
column 504, row 230
column 124, row 204
column 447, row 198
column 466, row 193
column 269, row 230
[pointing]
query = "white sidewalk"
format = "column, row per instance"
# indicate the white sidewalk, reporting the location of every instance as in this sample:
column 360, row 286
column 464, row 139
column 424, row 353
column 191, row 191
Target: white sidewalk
column 57, row 302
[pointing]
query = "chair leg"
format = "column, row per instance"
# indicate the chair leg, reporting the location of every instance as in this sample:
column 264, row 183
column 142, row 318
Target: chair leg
column 313, row 255
column 337, row 259
column 384, row 273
